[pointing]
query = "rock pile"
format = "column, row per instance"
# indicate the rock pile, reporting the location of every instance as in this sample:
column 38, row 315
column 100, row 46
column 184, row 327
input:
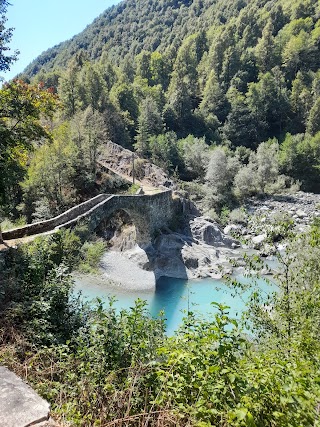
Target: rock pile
column 121, row 161
column 265, row 217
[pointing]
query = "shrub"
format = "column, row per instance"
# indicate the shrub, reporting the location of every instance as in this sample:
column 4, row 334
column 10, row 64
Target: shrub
column 91, row 254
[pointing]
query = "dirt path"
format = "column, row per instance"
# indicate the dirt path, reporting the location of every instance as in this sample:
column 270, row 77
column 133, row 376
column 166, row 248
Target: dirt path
column 147, row 187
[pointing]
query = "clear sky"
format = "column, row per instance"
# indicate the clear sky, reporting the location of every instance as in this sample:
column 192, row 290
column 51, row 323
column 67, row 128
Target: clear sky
column 41, row 24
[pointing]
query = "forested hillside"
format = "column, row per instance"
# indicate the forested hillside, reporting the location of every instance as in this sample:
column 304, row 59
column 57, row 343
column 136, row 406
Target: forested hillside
column 133, row 26
column 231, row 73
column 225, row 94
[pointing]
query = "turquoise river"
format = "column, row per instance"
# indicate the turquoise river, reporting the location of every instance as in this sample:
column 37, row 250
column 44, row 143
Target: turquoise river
column 173, row 296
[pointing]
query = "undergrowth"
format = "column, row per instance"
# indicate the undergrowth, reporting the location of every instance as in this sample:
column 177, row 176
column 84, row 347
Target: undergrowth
column 101, row 367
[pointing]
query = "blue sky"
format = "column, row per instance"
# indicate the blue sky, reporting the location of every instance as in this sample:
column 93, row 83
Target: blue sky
column 40, row 24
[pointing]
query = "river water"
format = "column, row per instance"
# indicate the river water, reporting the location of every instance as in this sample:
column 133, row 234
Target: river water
column 173, row 296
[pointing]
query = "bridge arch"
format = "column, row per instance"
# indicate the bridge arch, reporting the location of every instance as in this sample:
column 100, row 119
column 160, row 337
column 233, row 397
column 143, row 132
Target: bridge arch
column 148, row 213
column 122, row 216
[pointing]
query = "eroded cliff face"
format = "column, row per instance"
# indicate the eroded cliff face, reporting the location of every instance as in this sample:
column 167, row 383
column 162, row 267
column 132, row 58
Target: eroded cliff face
column 199, row 250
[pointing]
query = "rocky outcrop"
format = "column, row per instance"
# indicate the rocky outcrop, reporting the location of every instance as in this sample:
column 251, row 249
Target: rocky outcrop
column 176, row 255
column 122, row 161
column 208, row 231
column 20, row 406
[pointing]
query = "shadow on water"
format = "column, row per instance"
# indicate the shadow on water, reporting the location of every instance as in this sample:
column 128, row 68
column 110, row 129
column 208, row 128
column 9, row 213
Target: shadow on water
column 171, row 297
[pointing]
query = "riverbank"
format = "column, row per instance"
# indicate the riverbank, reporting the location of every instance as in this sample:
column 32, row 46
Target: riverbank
column 171, row 255
column 203, row 250
column 121, row 271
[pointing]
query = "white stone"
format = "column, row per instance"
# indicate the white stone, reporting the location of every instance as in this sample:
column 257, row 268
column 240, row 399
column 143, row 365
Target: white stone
column 300, row 213
column 258, row 240
column 231, row 227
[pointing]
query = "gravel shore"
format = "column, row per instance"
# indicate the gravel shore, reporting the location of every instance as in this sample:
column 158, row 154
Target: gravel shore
column 125, row 272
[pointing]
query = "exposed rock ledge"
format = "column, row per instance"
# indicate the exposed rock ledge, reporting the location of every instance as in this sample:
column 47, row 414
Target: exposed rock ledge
column 20, row 406
column 204, row 251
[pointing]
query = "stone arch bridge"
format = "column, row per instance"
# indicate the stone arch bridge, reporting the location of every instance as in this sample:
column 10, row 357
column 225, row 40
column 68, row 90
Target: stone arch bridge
column 149, row 213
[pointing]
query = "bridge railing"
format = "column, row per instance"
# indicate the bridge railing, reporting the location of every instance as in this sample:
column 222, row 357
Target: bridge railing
column 50, row 224
column 84, row 210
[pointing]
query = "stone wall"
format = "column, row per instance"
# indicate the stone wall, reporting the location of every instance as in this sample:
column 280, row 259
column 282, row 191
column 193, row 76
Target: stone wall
column 50, row 224
column 149, row 213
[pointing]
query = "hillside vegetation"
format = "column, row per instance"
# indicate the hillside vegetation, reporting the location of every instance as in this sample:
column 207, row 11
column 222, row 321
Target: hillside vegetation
column 227, row 101
column 133, row 26
column 226, row 97
column 230, row 74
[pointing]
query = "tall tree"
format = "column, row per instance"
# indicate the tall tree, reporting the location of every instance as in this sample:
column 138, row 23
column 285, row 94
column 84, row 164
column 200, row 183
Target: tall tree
column 214, row 100
column 92, row 87
column 149, row 123
column 313, row 124
column 22, row 107
column 6, row 60
column 69, row 88
column 301, row 101
column 265, row 49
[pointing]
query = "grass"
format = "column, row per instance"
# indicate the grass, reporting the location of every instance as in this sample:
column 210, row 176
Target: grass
column 7, row 224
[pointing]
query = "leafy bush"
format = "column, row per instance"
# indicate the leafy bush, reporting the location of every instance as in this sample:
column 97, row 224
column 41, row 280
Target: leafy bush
column 98, row 366
column 239, row 216
column 91, row 253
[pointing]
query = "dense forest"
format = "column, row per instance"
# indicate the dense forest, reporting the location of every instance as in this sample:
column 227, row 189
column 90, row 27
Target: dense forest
column 227, row 88
column 223, row 95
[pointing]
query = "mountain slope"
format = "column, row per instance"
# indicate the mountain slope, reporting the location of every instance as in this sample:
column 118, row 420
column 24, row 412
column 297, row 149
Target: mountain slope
column 233, row 73
column 133, row 26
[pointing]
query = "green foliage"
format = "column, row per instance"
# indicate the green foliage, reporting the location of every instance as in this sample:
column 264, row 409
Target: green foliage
column 35, row 291
column 5, row 38
column 164, row 151
column 149, row 124
column 64, row 172
column 6, row 224
column 22, row 108
column 97, row 365
column 221, row 171
column 195, row 155
column 224, row 215
column 133, row 189
column 299, row 158
column 238, row 216
column 232, row 73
